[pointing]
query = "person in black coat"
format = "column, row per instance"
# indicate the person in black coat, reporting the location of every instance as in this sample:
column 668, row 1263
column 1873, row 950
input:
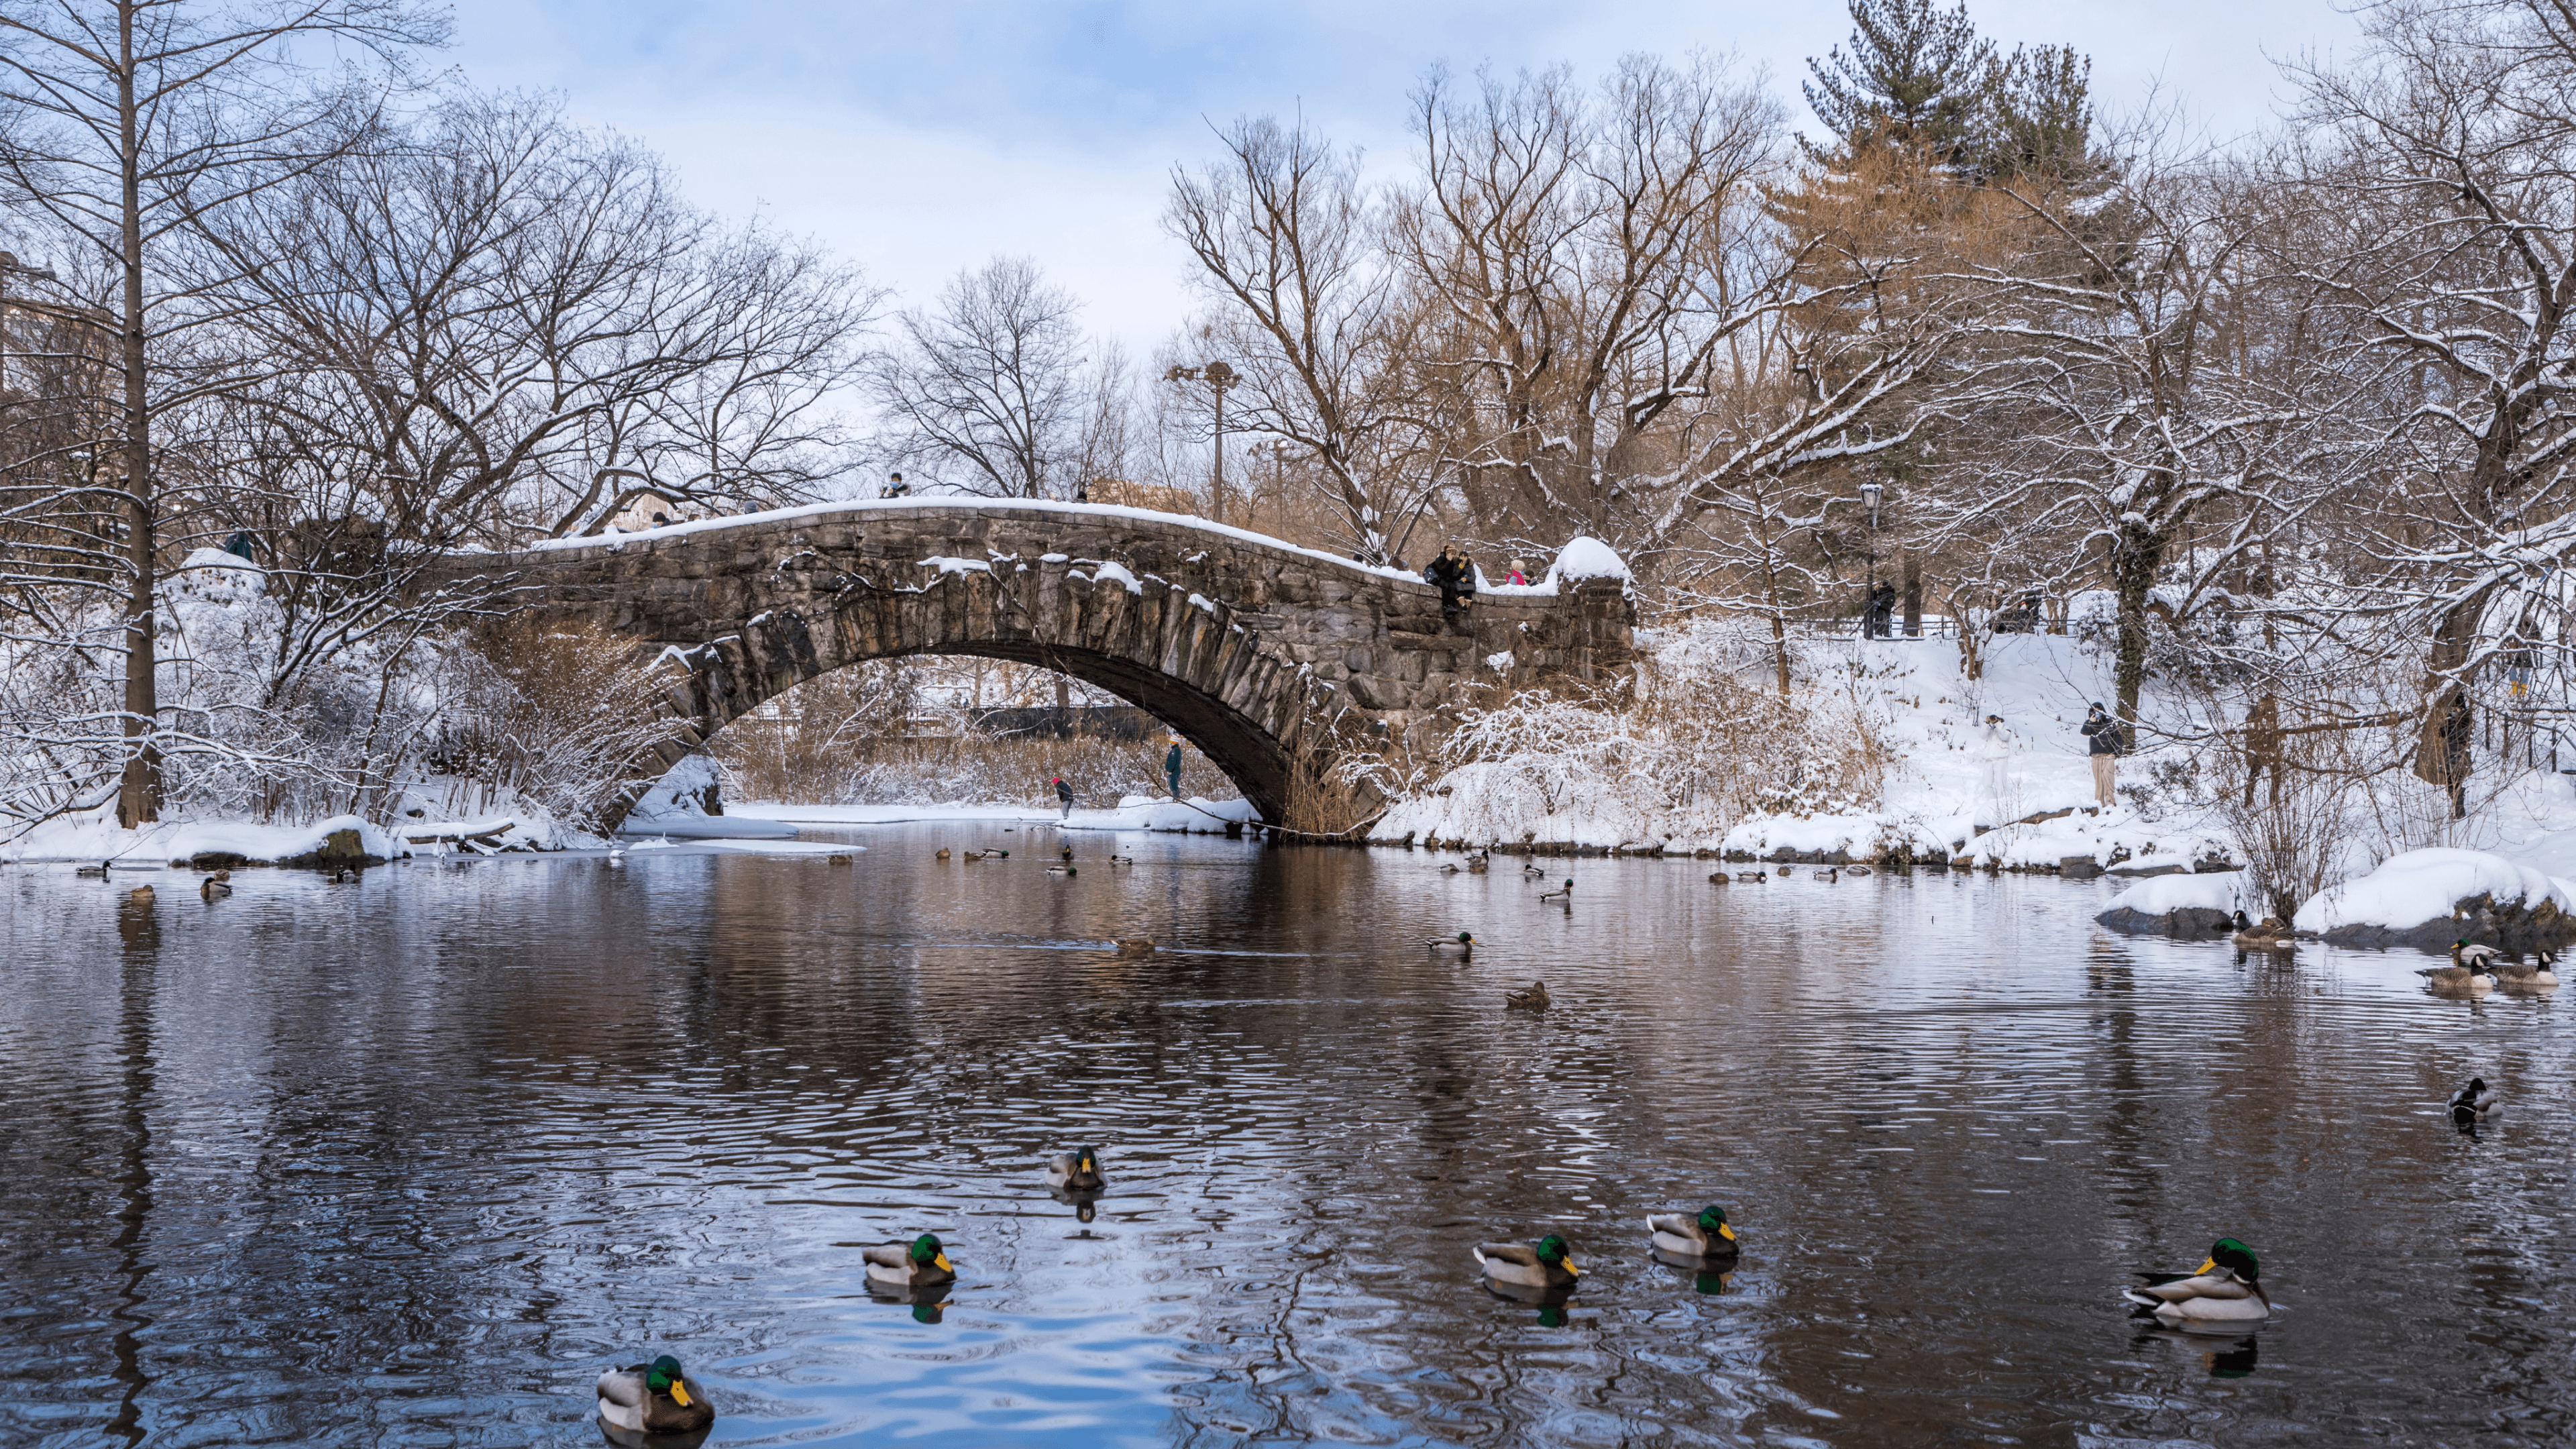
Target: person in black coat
column 1455, row 578
column 2102, row 742
column 1064, row 796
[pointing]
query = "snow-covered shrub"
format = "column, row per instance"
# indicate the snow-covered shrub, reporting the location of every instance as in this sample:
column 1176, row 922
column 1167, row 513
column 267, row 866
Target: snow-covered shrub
column 558, row 714
column 1694, row 750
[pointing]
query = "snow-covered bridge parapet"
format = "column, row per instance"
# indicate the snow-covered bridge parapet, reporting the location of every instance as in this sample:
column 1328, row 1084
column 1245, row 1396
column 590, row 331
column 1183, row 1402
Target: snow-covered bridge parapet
column 1272, row 659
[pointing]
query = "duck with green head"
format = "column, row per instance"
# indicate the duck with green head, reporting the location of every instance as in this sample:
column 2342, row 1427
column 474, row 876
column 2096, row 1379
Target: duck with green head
column 1562, row 893
column 2224, row 1292
column 1547, row 1263
column 1076, row 1171
column 1680, row 1235
column 1458, row 945
column 921, row 1263
column 653, row 1398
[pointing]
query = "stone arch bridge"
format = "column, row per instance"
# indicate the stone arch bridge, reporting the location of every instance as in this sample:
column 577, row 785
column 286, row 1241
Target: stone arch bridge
column 1271, row 659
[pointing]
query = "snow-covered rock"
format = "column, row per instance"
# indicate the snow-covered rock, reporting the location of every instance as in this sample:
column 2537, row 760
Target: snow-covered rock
column 1587, row 558
column 2429, row 898
column 2193, row 907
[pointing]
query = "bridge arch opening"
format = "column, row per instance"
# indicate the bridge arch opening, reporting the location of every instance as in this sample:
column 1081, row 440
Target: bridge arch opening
column 1259, row 765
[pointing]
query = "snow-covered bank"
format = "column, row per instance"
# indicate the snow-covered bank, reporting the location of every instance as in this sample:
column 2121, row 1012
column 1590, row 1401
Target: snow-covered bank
column 2018, row 796
column 92, row 839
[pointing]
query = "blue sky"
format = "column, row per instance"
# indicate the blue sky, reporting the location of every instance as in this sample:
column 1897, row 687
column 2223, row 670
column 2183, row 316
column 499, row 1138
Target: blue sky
column 921, row 138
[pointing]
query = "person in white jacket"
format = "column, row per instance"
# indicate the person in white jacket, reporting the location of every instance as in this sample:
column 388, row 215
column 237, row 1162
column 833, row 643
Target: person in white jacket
column 1995, row 794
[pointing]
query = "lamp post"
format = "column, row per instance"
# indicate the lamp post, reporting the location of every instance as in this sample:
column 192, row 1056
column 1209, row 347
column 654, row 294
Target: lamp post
column 1870, row 493
column 1218, row 377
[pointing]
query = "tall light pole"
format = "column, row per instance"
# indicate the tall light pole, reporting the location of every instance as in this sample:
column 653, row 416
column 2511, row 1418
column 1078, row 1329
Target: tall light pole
column 1218, row 377
column 1869, row 493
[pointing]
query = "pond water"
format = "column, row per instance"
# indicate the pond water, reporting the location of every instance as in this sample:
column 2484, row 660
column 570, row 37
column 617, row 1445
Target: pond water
column 409, row 1161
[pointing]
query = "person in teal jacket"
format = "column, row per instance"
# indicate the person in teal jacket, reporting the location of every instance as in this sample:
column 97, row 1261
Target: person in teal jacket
column 1172, row 767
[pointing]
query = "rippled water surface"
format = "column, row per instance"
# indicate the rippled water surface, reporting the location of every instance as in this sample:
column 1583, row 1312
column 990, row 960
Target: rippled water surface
column 409, row 1161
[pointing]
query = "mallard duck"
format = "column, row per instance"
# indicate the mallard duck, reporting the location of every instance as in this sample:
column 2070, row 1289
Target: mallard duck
column 1060, row 870
column 1756, row 877
column 94, row 872
column 1564, row 893
column 1784, row 870
column 213, row 888
column 942, row 855
column 972, row 855
column 2468, row 972
column 1855, row 870
column 1067, row 855
column 1448, row 867
column 1533, row 871
column 1682, row 1235
column 1134, row 945
column 2273, row 934
column 1718, row 877
column 2534, row 972
column 1076, row 1171
column 1534, row 999
column 139, row 896
column 917, row 1264
column 1458, row 945
column 2472, row 1103
column 1122, row 860
column 1480, row 862
column 2221, row 1293
column 652, row 1398
column 343, row 876
column 1548, row 1263
column 840, row 860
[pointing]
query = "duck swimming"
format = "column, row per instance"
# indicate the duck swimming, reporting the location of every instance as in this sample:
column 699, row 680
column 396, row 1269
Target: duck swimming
column 1532, row 870
column 653, row 1398
column 918, row 1264
column 1134, row 945
column 213, row 887
column 2471, row 1104
column 2534, row 972
column 1076, row 1171
column 1683, row 1235
column 942, row 855
column 1458, row 945
column 2468, row 971
column 1564, row 894
column 2221, row 1293
column 1059, row 870
column 1547, row 1263
column 1830, row 873
column 1756, row 877
column 1534, row 999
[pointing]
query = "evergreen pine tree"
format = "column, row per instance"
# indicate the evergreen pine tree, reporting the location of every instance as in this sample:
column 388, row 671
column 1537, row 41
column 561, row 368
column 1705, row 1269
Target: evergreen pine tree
column 1914, row 75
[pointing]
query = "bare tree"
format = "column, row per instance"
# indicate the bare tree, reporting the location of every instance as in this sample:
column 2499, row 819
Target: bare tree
column 1586, row 258
column 2450, row 154
column 126, row 118
column 1305, row 305
column 996, row 388
column 508, row 327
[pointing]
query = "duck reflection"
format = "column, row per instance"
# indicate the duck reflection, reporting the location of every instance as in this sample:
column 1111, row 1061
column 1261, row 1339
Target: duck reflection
column 2224, row 1359
column 929, row 1302
column 1085, row 1205
column 638, row 1439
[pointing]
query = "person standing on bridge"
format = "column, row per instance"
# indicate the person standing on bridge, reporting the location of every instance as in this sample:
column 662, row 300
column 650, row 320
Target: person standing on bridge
column 1064, row 796
column 895, row 488
column 1172, row 767
column 1455, row 578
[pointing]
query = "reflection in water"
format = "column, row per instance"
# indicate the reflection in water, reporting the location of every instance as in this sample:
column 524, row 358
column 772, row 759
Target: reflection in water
column 412, row 1158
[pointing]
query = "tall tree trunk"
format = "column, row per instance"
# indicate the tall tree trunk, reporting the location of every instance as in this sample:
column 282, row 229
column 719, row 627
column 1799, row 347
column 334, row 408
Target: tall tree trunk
column 138, row 796
column 2137, row 553
column 2443, row 688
